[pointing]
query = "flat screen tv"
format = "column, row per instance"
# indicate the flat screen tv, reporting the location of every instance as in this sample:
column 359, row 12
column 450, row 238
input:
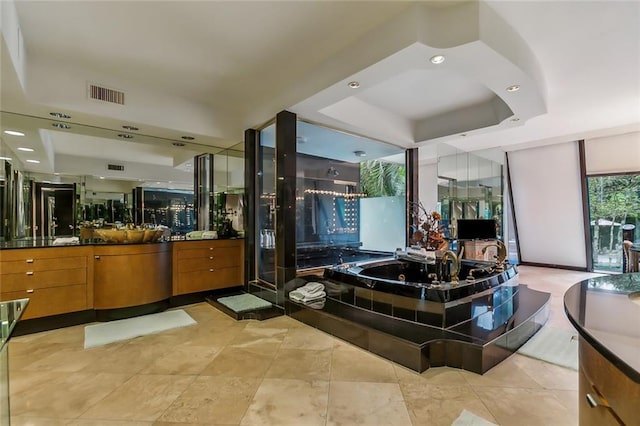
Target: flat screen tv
column 476, row 229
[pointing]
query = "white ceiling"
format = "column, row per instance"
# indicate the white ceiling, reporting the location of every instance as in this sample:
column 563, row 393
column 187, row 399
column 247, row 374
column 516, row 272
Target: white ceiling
column 211, row 69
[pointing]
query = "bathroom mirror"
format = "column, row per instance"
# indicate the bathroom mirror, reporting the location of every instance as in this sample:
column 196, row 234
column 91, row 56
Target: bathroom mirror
column 103, row 165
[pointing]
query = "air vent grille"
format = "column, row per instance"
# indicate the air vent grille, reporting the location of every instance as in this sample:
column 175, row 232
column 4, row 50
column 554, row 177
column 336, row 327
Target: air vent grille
column 106, row 95
column 116, row 167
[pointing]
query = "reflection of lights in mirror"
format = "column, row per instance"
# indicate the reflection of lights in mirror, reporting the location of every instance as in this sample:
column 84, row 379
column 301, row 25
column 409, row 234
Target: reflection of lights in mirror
column 105, row 167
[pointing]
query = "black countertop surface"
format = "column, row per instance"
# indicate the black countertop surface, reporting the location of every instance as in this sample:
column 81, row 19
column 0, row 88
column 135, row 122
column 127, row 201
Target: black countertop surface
column 47, row 242
column 606, row 312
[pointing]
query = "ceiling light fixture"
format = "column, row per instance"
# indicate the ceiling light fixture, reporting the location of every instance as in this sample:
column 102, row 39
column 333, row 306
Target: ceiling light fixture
column 33, row 161
column 188, row 138
column 513, row 88
column 437, row 59
column 101, row 177
column 61, row 125
column 25, row 149
column 131, row 128
column 14, row 133
column 125, row 136
column 5, row 158
column 177, row 144
column 360, row 153
column 354, row 84
column 59, row 115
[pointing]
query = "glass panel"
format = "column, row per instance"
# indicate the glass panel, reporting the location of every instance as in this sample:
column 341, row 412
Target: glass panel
column 265, row 236
column 350, row 197
column 614, row 211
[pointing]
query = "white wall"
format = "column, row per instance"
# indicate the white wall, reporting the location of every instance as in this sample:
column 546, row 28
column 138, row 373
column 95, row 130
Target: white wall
column 428, row 185
column 548, row 204
column 613, row 154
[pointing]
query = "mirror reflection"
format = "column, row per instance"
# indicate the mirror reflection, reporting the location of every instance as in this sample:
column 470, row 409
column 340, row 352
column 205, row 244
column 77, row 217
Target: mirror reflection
column 58, row 178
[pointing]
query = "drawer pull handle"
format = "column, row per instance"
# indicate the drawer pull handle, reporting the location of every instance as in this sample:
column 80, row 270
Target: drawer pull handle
column 29, row 260
column 210, row 257
column 210, row 248
column 30, row 290
column 29, row 272
column 595, row 401
column 211, row 270
column 96, row 257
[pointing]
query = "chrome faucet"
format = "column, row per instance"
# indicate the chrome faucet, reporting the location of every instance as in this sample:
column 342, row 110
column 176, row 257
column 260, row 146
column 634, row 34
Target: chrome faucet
column 500, row 257
column 455, row 262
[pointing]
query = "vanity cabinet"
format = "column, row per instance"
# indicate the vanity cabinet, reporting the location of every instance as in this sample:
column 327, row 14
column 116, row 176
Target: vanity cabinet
column 206, row 265
column 606, row 395
column 56, row 280
column 131, row 275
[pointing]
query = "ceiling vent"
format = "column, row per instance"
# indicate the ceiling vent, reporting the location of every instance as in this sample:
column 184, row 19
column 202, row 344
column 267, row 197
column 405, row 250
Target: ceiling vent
column 116, row 167
column 104, row 94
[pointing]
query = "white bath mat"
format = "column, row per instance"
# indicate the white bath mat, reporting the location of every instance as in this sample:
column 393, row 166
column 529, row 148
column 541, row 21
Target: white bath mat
column 467, row 418
column 116, row 331
column 554, row 345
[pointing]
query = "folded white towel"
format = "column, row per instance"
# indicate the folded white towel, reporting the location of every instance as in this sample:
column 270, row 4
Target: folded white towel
column 312, row 287
column 298, row 296
column 61, row 241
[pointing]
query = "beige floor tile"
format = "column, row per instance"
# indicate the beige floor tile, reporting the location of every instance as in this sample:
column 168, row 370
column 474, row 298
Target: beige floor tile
column 282, row 321
column 357, row 365
column 68, row 360
column 239, row 362
column 307, row 338
column 143, row 397
column 20, row 381
column 213, row 400
column 183, row 360
column 24, row 353
column 435, row 376
column 549, row 376
column 441, row 404
column 89, row 422
column 38, row 421
column 506, row 374
column 66, row 396
column 127, row 358
column 361, row 403
column 526, row 407
column 301, row 364
column 265, row 340
column 569, row 399
column 286, row 402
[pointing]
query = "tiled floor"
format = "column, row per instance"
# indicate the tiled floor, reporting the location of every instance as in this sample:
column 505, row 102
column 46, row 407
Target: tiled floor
column 275, row 372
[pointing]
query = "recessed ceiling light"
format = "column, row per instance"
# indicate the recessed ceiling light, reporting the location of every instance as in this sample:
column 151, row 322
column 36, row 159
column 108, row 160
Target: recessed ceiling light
column 5, row 158
column 14, row 133
column 177, row 144
column 437, row 59
column 354, row 84
column 57, row 174
column 59, row 115
column 25, row 149
column 132, row 128
column 33, row 161
column 125, row 136
column 515, row 119
column 61, row 125
column 188, row 138
column 513, row 88
column 360, row 153
column 101, row 177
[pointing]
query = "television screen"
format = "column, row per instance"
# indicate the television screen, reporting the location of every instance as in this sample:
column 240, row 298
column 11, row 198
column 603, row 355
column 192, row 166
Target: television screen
column 476, row 229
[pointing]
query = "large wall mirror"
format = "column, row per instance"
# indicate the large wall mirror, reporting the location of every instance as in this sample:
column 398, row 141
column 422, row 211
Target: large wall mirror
column 56, row 175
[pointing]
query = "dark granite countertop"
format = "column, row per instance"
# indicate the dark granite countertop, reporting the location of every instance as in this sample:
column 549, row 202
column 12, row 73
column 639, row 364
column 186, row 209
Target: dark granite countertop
column 606, row 312
column 47, row 242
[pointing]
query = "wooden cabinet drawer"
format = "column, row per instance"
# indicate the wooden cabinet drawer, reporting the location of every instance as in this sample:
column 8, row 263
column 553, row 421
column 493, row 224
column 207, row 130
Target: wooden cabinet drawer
column 197, row 253
column 605, row 379
column 42, row 264
column 51, row 301
column 7, row 255
column 42, row 279
column 192, row 282
column 217, row 258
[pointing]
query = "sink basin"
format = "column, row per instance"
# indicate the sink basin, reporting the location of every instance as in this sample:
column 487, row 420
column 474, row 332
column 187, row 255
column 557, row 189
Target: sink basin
column 128, row 236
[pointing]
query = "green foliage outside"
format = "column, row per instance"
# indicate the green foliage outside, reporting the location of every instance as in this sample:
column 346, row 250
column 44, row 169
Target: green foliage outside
column 613, row 201
column 382, row 179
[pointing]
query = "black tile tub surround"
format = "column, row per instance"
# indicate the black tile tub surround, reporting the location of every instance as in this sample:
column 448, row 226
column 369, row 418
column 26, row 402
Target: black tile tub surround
column 417, row 346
